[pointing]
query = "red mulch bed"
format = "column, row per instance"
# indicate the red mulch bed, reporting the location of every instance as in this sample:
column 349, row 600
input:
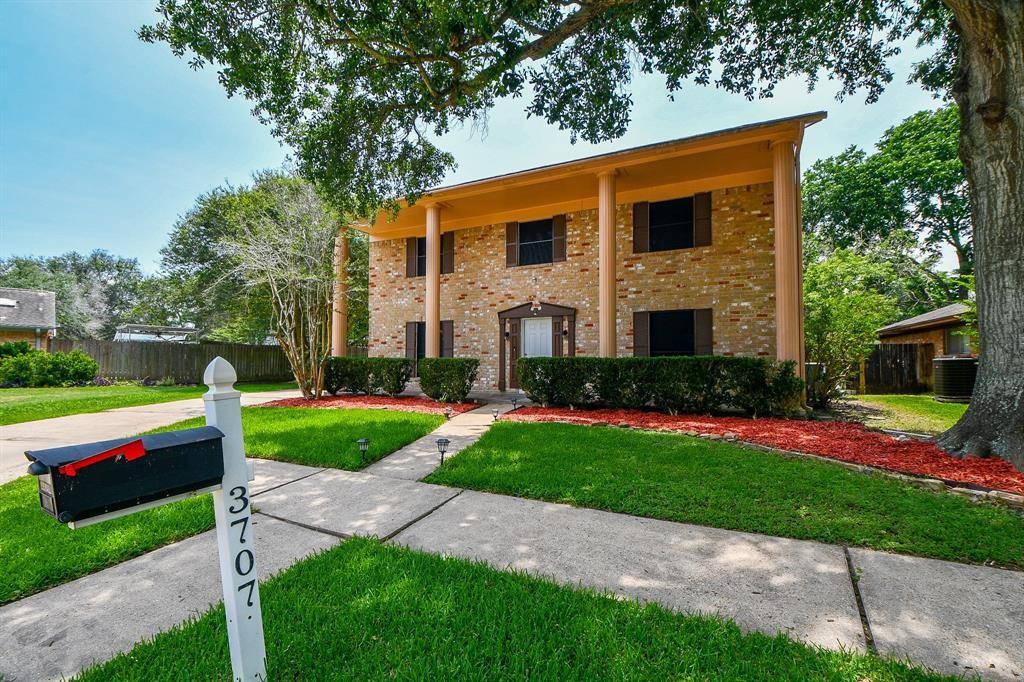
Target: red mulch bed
column 845, row 441
column 382, row 402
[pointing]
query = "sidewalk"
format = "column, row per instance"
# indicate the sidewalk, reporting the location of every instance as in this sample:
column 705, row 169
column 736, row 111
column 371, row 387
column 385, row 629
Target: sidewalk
column 950, row 617
column 122, row 422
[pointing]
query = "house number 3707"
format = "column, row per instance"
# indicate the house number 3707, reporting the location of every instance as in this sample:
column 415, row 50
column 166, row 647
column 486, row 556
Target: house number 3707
column 244, row 562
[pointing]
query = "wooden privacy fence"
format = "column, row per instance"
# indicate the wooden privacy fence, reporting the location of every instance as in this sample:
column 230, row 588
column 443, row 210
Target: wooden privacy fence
column 182, row 362
column 897, row 368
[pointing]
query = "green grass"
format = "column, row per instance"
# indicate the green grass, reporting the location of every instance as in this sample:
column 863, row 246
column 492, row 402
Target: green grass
column 369, row 611
column 28, row 404
column 713, row 483
column 37, row 552
column 913, row 413
column 325, row 437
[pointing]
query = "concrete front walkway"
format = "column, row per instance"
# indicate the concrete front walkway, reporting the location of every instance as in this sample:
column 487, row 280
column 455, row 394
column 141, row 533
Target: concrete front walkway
column 122, row 422
column 950, row 617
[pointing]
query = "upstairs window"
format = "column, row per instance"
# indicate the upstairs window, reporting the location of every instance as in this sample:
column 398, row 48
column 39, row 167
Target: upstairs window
column 421, row 256
column 671, row 224
column 535, row 242
column 682, row 223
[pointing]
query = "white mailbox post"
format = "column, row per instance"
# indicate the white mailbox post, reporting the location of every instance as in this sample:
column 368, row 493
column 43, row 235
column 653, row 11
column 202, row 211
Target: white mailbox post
column 235, row 536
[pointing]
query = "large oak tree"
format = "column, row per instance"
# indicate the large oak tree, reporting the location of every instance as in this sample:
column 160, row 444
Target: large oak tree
column 355, row 85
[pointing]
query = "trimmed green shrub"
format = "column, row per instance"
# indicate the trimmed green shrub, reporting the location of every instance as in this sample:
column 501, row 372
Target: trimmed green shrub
column 448, row 379
column 558, row 381
column 8, row 349
column 39, row 368
column 698, row 384
column 367, row 375
column 389, row 375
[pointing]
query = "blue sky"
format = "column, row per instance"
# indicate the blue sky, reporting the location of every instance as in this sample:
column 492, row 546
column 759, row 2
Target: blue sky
column 105, row 141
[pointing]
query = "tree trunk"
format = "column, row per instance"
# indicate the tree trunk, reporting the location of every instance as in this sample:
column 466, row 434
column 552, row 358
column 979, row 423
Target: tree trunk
column 990, row 92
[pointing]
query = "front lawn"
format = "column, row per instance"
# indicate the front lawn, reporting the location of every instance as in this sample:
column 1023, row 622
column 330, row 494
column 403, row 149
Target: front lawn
column 28, row 404
column 37, row 552
column 715, row 483
column 913, row 413
column 325, row 437
column 367, row 611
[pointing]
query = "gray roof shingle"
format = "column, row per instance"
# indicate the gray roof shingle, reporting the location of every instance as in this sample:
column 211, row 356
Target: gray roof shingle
column 939, row 316
column 28, row 308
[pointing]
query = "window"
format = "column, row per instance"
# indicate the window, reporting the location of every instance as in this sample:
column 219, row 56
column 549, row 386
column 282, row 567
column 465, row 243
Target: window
column 421, row 256
column 421, row 340
column 535, row 242
column 957, row 344
column 671, row 225
column 672, row 333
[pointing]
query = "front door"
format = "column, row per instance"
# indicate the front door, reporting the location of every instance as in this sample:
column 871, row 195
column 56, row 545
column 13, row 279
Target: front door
column 536, row 337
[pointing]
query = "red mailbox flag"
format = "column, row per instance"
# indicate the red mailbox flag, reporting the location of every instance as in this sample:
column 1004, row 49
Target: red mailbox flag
column 130, row 451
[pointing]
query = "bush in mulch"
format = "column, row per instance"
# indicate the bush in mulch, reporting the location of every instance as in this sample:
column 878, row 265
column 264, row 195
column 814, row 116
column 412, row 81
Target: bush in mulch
column 844, row 441
column 404, row 403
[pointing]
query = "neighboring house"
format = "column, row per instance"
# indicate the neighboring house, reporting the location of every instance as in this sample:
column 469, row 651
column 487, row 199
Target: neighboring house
column 691, row 246
column 28, row 315
column 937, row 327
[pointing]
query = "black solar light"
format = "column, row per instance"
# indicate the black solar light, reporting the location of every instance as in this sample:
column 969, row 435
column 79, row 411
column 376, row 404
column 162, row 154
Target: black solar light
column 495, row 413
column 442, row 447
column 448, row 412
column 364, row 445
column 515, row 402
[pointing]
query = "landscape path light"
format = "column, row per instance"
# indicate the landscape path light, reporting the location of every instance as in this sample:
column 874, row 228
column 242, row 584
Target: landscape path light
column 495, row 413
column 364, row 445
column 442, row 447
column 448, row 412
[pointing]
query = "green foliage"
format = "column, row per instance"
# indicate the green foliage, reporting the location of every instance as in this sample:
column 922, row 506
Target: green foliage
column 898, row 205
column 367, row 375
column 94, row 293
column 11, row 348
column 39, row 368
column 843, row 310
column 448, row 379
column 353, row 86
column 675, row 384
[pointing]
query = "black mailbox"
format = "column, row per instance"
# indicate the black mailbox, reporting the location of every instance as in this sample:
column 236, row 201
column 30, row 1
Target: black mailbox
column 79, row 482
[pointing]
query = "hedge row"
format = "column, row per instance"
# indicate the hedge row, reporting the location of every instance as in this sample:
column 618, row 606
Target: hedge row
column 39, row 368
column 448, row 379
column 699, row 384
column 367, row 375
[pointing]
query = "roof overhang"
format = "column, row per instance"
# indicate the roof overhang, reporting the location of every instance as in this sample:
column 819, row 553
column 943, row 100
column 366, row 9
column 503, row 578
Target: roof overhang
column 725, row 158
column 940, row 323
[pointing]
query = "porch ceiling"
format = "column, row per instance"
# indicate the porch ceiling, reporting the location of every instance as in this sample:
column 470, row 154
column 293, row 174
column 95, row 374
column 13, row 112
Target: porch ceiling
column 726, row 158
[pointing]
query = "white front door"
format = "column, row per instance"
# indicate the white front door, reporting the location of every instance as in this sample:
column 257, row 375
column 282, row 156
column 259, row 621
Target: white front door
column 536, row 337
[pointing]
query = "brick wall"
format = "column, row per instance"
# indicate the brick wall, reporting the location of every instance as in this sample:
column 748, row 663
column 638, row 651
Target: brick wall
column 735, row 277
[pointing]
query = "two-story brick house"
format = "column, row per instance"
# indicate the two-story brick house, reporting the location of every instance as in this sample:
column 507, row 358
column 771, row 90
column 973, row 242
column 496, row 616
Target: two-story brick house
column 690, row 246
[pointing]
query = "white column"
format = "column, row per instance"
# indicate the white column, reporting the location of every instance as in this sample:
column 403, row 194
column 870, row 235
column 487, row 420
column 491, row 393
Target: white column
column 235, row 536
column 607, row 341
column 433, row 295
column 339, row 313
column 788, row 296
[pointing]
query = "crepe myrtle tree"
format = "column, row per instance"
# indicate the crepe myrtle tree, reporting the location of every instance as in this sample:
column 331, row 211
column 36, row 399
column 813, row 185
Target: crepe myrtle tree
column 355, row 87
column 287, row 251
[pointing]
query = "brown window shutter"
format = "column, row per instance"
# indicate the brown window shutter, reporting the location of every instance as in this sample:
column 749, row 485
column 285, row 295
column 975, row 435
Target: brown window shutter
column 511, row 244
column 447, row 338
column 558, row 238
column 447, row 253
column 641, row 227
column 410, row 340
column 703, row 332
column 556, row 336
column 641, row 334
column 702, row 219
column 410, row 257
